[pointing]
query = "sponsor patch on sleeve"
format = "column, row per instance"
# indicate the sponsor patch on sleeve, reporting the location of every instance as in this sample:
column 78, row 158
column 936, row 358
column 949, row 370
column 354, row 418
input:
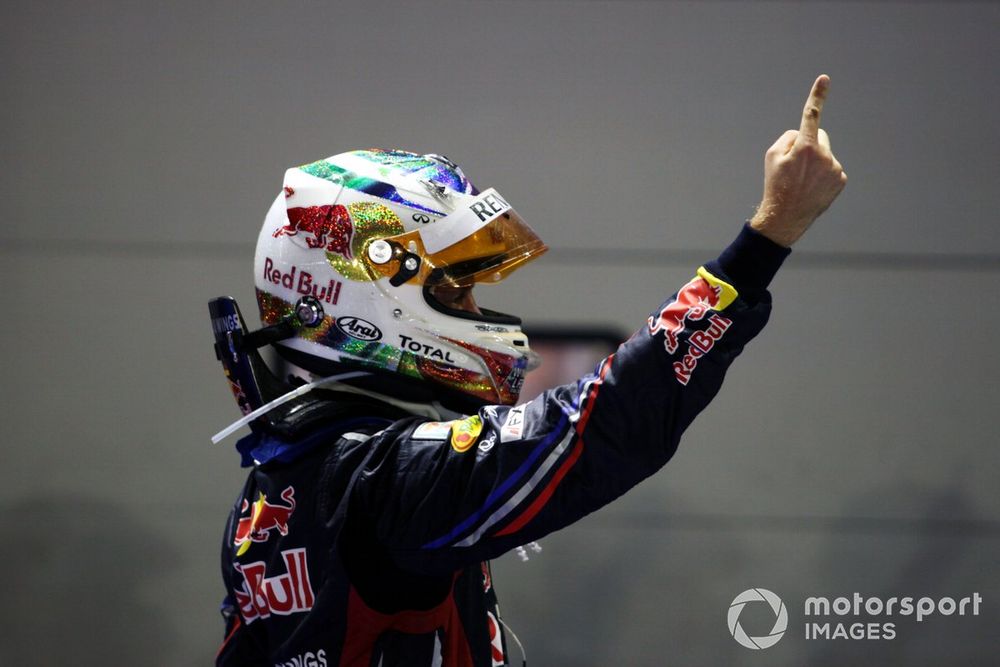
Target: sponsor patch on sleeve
column 727, row 293
column 465, row 433
column 487, row 443
column 432, row 431
column 513, row 426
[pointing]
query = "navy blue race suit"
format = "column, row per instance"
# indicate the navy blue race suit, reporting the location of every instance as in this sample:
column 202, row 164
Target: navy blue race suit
column 363, row 533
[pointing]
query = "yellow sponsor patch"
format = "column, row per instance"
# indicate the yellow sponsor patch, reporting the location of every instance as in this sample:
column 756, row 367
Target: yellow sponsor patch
column 465, row 432
column 726, row 292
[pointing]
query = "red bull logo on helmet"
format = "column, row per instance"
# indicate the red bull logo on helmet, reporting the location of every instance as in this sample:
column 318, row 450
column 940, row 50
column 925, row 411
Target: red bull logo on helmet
column 264, row 517
column 328, row 227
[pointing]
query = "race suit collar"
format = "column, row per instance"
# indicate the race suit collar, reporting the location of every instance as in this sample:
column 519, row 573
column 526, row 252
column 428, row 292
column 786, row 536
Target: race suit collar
column 324, row 414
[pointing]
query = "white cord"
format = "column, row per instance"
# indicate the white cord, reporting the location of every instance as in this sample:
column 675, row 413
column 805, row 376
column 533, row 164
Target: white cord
column 281, row 400
column 524, row 657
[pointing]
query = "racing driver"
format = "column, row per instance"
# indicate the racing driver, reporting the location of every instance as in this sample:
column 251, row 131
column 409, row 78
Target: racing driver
column 391, row 459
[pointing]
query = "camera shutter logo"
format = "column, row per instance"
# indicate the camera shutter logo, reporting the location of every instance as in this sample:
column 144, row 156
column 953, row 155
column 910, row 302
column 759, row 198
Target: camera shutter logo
column 780, row 622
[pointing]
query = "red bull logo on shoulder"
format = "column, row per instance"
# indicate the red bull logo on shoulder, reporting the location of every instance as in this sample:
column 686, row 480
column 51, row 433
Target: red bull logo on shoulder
column 327, row 227
column 693, row 302
column 264, row 517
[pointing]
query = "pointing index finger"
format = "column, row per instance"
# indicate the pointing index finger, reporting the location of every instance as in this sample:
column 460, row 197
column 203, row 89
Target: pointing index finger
column 809, row 129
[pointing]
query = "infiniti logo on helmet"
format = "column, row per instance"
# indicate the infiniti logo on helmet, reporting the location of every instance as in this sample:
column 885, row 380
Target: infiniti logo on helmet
column 355, row 327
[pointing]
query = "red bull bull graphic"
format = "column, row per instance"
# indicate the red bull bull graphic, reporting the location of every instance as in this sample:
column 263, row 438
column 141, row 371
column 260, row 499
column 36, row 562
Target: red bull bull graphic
column 328, row 227
column 703, row 294
column 239, row 394
column 693, row 301
column 259, row 596
column 263, row 518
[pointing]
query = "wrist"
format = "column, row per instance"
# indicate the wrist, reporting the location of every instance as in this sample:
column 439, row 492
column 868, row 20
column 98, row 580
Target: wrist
column 774, row 227
column 751, row 260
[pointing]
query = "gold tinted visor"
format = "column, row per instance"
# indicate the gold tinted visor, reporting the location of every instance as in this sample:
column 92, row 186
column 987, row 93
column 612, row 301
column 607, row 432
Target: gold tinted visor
column 486, row 255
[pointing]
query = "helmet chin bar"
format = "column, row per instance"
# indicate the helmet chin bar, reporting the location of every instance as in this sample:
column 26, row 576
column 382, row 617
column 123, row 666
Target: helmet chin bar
column 382, row 381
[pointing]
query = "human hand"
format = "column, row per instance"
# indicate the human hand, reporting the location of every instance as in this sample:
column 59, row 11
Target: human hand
column 801, row 175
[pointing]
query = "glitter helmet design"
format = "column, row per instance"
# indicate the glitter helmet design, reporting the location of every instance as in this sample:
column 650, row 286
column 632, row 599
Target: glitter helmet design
column 358, row 242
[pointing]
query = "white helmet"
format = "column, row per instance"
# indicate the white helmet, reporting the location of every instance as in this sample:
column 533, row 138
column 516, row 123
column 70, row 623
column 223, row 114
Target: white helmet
column 354, row 246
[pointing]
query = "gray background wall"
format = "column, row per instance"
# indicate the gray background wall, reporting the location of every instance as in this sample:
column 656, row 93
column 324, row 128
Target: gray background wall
column 852, row 448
